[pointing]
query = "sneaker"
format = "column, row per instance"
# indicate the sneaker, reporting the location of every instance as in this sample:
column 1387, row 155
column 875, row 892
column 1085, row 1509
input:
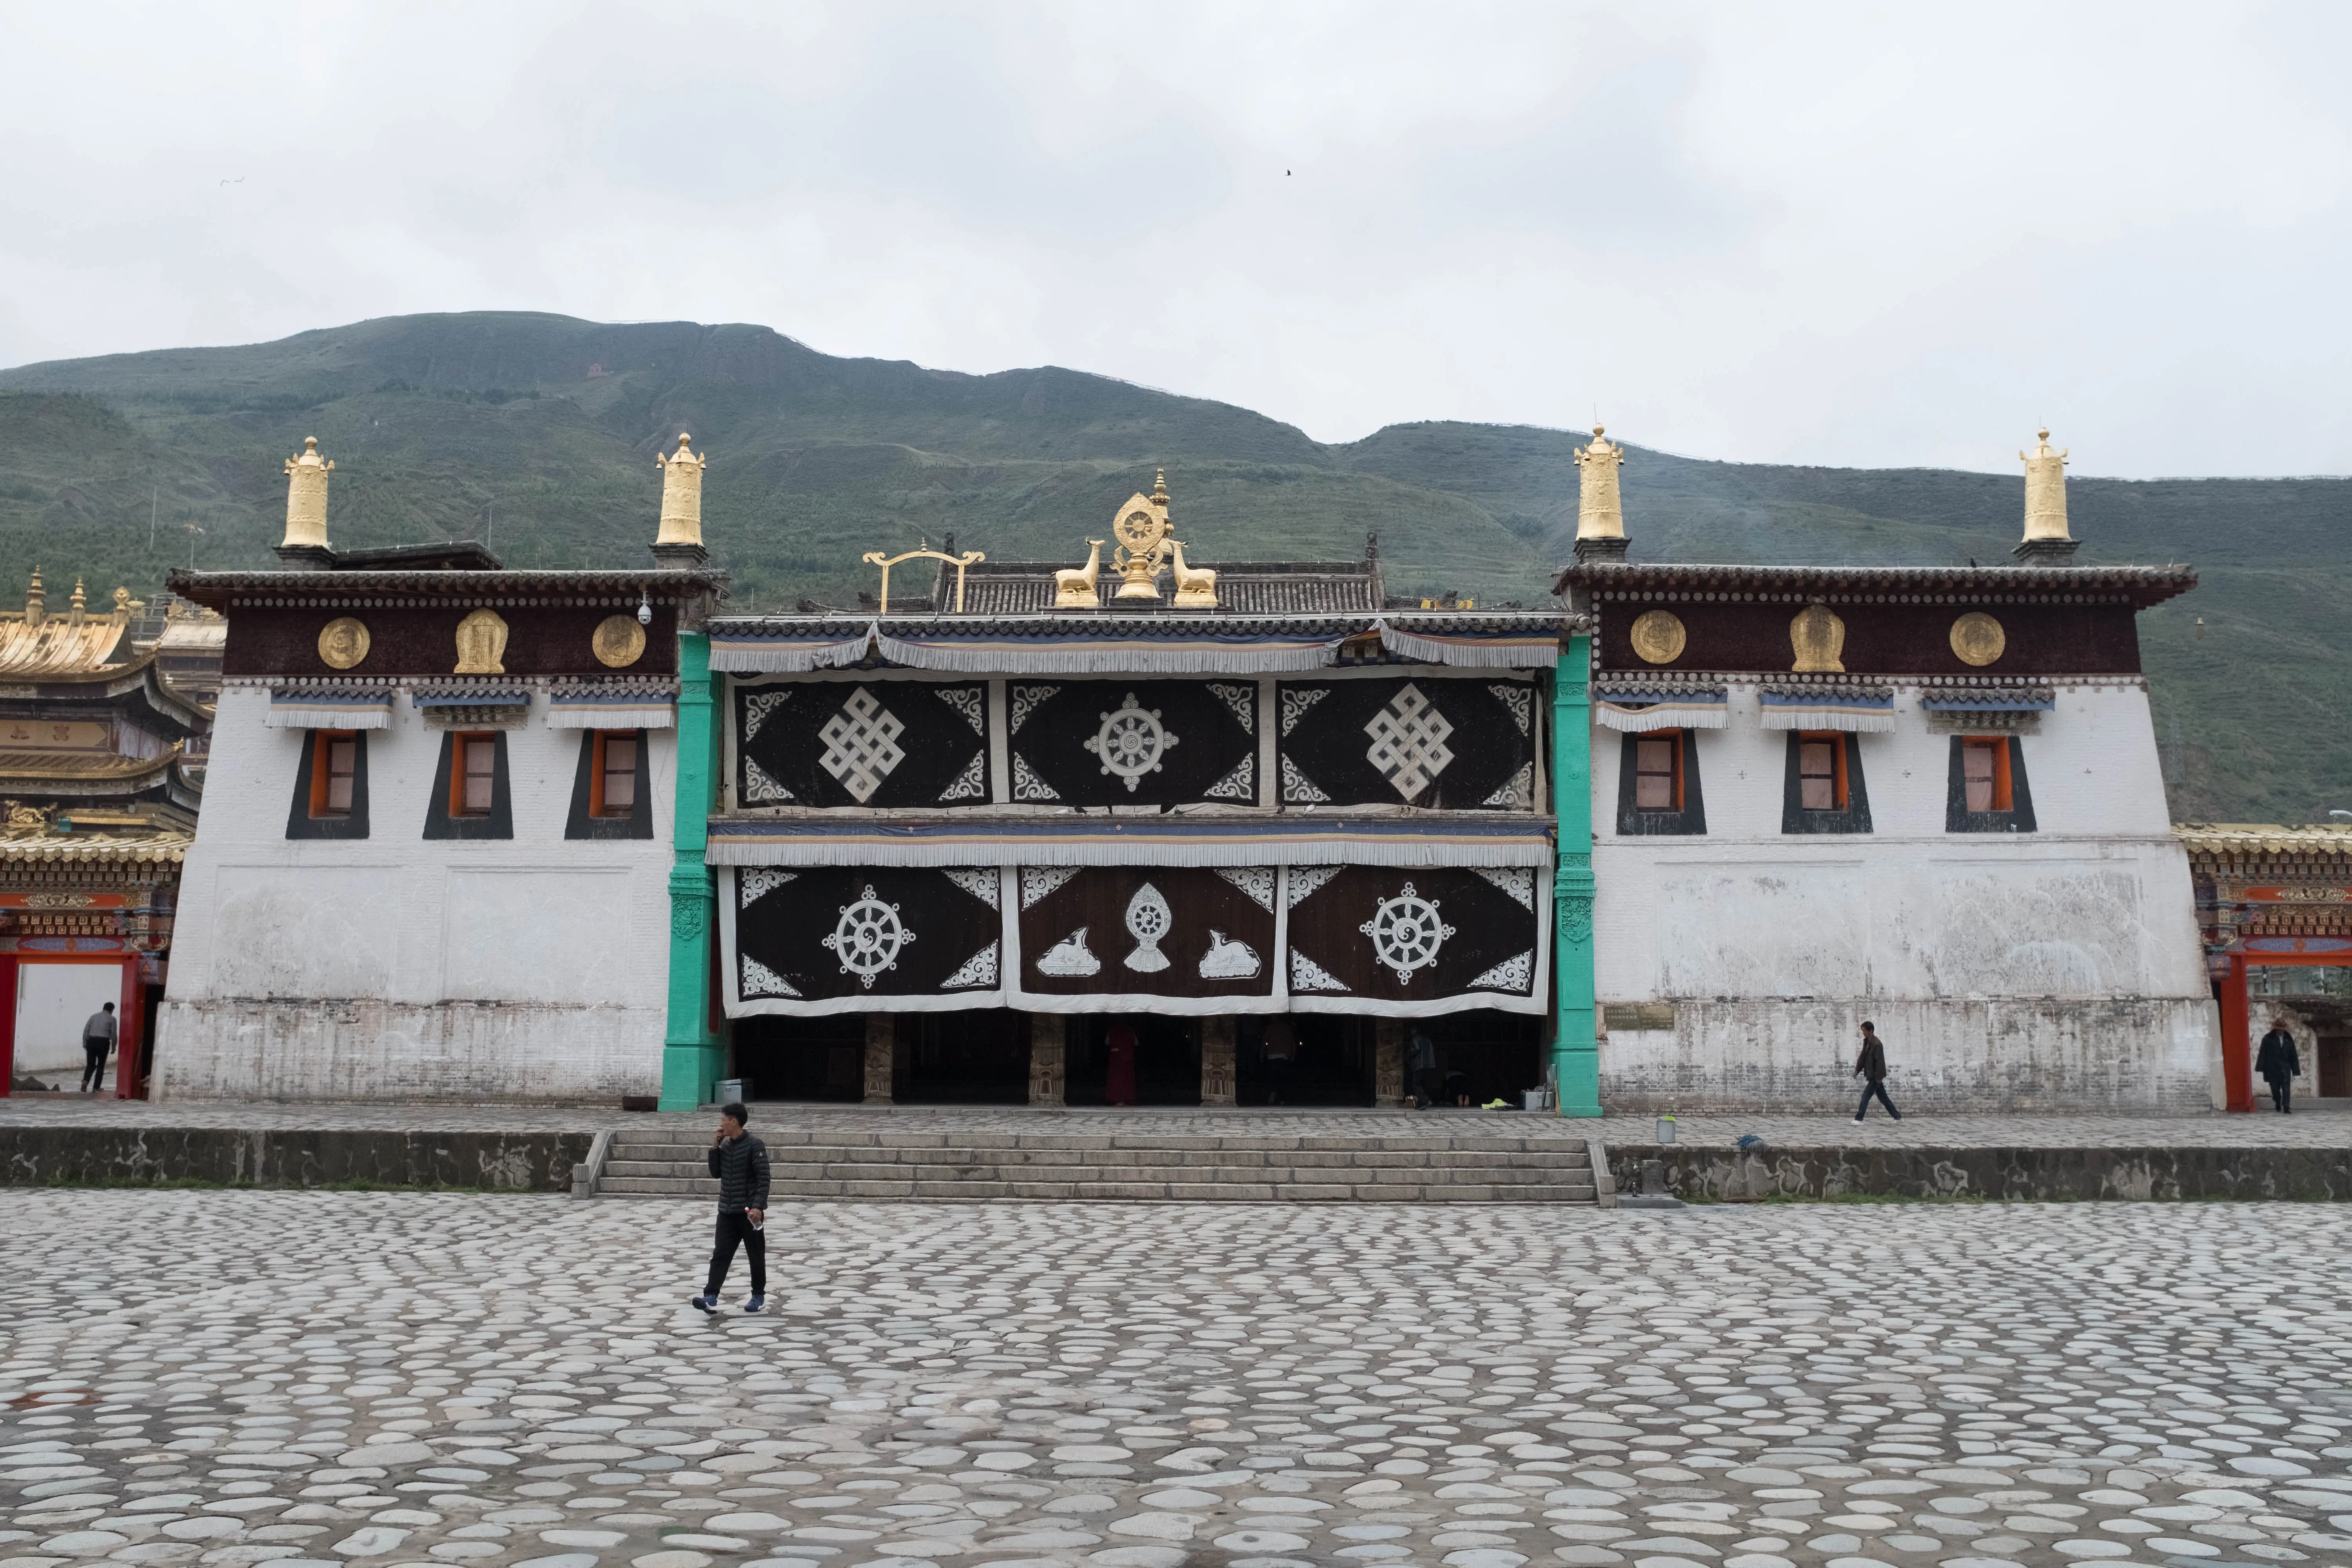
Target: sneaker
column 1857, row 1118
column 704, row 1303
column 756, row 1305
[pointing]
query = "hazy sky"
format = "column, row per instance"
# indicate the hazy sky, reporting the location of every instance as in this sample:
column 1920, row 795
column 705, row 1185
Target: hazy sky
column 1868, row 235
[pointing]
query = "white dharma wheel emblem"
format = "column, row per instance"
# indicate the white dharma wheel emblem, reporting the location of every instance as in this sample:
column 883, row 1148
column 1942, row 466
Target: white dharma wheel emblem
column 1406, row 934
column 1131, row 742
column 868, row 938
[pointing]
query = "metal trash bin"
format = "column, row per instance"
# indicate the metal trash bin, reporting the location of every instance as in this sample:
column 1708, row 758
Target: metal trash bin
column 726, row 1090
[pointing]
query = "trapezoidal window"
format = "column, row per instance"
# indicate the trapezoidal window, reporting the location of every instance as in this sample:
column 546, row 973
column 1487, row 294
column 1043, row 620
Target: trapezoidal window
column 1988, row 792
column 334, row 772
column 331, row 793
column 471, row 797
column 1824, row 791
column 1657, row 783
column 611, row 794
column 613, row 789
column 473, row 777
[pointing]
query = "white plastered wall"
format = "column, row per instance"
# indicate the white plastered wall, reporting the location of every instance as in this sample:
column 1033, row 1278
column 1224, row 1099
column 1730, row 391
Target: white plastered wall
column 2059, row 970
column 401, row 967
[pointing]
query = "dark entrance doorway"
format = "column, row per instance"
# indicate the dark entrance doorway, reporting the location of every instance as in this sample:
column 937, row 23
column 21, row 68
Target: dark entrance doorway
column 977, row 1057
column 802, row 1058
column 1482, row 1056
column 1167, row 1059
column 1332, row 1063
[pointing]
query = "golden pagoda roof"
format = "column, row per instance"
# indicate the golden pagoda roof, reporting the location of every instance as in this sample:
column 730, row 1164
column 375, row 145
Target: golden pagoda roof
column 2265, row 837
column 36, row 645
column 95, row 848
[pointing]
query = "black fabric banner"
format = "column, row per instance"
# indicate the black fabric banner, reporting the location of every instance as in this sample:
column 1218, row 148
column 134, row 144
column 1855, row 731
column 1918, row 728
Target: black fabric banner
column 902, row 743
column 1133, row 743
column 1159, row 931
column 828, row 934
column 1379, row 934
column 1441, row 743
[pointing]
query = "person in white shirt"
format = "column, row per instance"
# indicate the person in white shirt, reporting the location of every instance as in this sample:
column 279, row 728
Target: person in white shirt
column 97, row 1037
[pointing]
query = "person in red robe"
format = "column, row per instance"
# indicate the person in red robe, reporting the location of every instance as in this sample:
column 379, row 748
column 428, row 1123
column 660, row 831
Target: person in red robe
column 1119, row 1075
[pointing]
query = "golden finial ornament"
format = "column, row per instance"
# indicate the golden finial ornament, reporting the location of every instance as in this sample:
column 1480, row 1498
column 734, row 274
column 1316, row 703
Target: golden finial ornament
column 2045, row 490
column 1142, row 530
column 305, row 499
column 681, row 508
column 36, row 601
column 1599, row 512
column 924, row 552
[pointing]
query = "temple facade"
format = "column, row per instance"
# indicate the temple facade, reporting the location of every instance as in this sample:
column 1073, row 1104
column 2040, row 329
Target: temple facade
column 1927, row 797
column 2274, row 908
column 436, row 850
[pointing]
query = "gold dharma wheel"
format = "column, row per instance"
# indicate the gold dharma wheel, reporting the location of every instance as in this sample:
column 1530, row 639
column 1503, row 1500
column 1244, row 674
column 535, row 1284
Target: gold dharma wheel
column 1137, row 530
column 1977, row 639
column 342, row 642
column 619, row 641
column 1659, row 637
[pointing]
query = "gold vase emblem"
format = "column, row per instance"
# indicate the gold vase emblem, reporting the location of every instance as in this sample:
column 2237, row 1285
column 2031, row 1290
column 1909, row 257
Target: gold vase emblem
column 342, row 642
column 619, row 641
column 482, row 644
column 1818, row 639
column 1659, row 637
column 1977, row 639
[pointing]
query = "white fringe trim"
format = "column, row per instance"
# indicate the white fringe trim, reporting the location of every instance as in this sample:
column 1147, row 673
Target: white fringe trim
column 1501, row 656
column 610, row 716
column 1100, row 658
column 1269, row 850
column 320, row 718
column 1860, row 720
column 1662, row 716
column 755, row 655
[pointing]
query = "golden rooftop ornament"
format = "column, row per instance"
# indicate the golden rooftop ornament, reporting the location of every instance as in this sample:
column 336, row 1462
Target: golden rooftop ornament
column 305, row 499
column 1142, row 530
column 2045, row 491
column 969, row 558
column 1599, row 513
column 681, row 508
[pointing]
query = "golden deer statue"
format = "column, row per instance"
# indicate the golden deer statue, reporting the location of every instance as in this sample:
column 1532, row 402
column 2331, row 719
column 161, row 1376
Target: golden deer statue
column 1196, row 586
column 1075, row 590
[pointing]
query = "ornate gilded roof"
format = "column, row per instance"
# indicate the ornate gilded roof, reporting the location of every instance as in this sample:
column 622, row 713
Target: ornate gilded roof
column 2263, row 838
column 94, row 848
column 36, row 645
column 2138, row 586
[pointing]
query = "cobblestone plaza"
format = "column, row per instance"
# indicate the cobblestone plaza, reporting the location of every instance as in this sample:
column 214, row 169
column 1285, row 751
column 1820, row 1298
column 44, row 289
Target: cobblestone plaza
column 232, row 1378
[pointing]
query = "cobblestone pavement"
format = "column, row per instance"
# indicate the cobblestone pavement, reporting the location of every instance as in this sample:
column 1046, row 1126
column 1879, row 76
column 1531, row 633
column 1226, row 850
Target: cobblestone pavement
column 306, row 1379
column 2312, row 1128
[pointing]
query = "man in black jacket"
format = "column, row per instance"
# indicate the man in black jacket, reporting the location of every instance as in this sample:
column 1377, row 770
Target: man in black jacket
column 2278, row 1064
column 1871, row 1065
column 741, row 1163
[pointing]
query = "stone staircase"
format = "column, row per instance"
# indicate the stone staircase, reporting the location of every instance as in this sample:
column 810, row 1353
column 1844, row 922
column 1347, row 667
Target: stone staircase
column 931, row 1164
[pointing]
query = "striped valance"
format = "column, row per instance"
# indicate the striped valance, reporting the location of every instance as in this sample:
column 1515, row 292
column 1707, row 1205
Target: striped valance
column 472, row 696
column 1502, row 650
column 1153, row 841
column 2013, row 700
column 1661, row 710
column 1201, row 653
column 329, row 707
column 623, row 704
column 1829, row 709
column 746, row 652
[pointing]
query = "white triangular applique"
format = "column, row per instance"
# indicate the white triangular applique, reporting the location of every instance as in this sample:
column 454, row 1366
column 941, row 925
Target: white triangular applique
column 1241, row 700
column 1037, row 881
column 1296, row 787
column 1025, row 702
column 1513, row 974
column 1026, row 785
column 1516, row 880
column 759, row 786
column 1257, row 881
column 1239, row 785
column 759, row 980
column 968, row 785
column 1301, row 880
column 1515, row 698
column 1516, row 793
column 757, row 705
column 979, row 969
column 966, row 701
column 980, row 881
column 1305, row 974
column 1294, row 705
column 756, row 881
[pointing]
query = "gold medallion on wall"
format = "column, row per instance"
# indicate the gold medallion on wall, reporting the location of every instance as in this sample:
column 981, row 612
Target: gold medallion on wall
column 1977, row 639
column 1818, row 639
column 342, row 642
column 619, row 641
column 482, row 644
column 1658, row 636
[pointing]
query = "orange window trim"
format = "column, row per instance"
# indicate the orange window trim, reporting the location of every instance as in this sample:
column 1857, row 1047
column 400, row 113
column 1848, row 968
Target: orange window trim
column 598, row 765
column 2002, row 799
column 323, row 751
column 1674, row 740
column 458, row 746
column 1836, row 739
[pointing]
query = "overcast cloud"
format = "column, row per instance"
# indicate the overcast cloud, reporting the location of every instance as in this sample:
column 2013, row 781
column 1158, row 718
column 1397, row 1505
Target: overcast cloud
column 1870, row 234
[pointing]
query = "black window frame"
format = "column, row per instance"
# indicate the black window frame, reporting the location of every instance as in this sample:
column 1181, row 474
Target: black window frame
column 1632, row 821
column 497, row 823
column 583, row 823
column 299, row 823
column 2017, row 818
column 1854, row 817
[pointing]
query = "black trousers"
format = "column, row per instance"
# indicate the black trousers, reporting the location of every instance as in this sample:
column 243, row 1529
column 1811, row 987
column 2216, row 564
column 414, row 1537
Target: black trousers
column 732, row 1228
column 2282, row 1090
column 93, row 1057
column 1878, row 1089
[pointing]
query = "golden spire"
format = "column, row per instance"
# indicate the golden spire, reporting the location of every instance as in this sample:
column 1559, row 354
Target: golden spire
column 681, row 508
column 1598, row 512
column 36, row 601
column 2045, row 491
column 305, row 499
column 81, row 601
column 1159, row 489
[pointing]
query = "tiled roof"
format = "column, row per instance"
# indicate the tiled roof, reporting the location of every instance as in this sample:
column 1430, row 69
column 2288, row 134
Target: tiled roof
column 218, row 589
column 96, row 848
column 2263, row 838
column 2140, row 586
column 1123, row 623
column 1243, row 588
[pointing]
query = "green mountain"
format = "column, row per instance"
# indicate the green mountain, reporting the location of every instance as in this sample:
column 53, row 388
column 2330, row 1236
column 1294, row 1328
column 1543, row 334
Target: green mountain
column 538, row 433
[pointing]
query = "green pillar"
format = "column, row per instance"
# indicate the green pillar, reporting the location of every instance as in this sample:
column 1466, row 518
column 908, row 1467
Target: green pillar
column 693, row 1055
column 1576, row 1054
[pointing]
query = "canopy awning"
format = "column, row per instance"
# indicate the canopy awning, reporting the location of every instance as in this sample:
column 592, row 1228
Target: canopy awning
column 745, row 651
column 1523, row 651
column 1299, row 840
column 1203, row 652
column 1637, row 710
column 329, row 707
column 1828, row 710
column 1999, row 700
column 619, row 707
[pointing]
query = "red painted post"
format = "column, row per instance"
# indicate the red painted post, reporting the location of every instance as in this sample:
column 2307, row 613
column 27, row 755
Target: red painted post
column 7, row 1021
column 129, row 1082
column 2237, row 1054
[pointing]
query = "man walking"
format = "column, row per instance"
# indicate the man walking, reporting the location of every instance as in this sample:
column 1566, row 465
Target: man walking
column 2279, row 1065
column 97, row 1037
column 741, row 1163
column 1871, row 1065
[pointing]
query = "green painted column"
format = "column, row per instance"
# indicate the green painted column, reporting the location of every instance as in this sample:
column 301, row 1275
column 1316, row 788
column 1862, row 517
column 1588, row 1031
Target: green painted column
column 693, row 1055
column 1576, row 1053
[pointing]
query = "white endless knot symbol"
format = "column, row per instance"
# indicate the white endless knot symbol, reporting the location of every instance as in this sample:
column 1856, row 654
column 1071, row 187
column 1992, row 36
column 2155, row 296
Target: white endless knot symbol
column 861, row 745
column 1409, row 742
column 1406, row 934
column 1131, row 742
column 868, row 937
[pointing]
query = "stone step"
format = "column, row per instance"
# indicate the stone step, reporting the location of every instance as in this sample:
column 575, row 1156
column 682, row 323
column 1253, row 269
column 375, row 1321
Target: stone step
column 1213, row 1172
column 920, row 1190
column 1319, row 1148
column 676, row 1162
column 777, row 1139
